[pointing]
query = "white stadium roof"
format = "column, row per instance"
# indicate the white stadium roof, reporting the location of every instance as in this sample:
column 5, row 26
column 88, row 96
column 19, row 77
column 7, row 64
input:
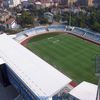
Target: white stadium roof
column 85, row 91
column 12, row 36
column 44, row 80
column 1, row 61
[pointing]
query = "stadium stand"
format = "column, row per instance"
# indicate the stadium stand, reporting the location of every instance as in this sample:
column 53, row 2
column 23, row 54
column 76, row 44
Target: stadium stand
column 89, row 35
column 57, row 28
column 40, row 30
column 84, row 91
column 84, row 33
column 21, row 37
column 78, row 31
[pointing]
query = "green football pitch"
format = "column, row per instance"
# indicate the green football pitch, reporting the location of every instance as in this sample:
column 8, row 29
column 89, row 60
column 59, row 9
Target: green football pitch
column 71, row 55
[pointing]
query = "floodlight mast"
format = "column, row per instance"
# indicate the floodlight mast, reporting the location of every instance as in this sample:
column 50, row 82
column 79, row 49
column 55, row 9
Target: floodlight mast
column 70, row 13
column 98, row 91
column 97, row 63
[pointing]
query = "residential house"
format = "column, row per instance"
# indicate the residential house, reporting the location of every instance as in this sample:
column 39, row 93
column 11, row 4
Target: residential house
column 4, row 15
column 11, row 23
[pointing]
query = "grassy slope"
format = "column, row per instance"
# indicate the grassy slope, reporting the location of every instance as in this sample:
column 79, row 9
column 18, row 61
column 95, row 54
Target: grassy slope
column 69, row 54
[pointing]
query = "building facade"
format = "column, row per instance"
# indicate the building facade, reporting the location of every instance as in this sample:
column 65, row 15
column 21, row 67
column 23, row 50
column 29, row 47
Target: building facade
column 4, row 15
column 82, row 2
column 97, row 3
column 90, row 3
column 71, row 2
column 11, row 3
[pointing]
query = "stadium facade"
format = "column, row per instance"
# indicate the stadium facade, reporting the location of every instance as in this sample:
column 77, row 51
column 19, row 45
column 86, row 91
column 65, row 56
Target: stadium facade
column 29, row 74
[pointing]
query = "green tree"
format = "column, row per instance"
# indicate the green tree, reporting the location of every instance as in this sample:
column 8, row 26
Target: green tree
column 58, row 17
column 25, row 19
column 96, row 26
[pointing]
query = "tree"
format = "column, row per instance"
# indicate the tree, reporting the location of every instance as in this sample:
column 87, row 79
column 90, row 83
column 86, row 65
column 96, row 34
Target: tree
column 96, row 26
column 25, row 19
column 43, row 20
column 58, row 17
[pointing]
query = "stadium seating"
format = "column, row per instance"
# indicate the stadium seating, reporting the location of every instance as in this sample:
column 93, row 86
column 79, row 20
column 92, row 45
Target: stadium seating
column 56, row 28
column 21, row 37
column 85, row 33
column 97, row 38
column 40, row 30
column 78, row 31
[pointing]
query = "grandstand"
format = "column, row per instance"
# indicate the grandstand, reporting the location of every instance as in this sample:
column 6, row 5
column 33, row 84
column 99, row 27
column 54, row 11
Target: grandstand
column 56, row 28
column 86, row 34
column 83, row 33
column 78, row 31
column 30, row 75
column 84, row 91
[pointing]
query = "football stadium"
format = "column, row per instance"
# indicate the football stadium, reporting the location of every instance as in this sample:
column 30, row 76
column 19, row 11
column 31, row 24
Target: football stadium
column 48, row 62
column 68, row 53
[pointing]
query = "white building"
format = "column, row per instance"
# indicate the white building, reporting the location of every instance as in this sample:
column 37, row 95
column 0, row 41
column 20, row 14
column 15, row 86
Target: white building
column 11, row 24
column 13, row 3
